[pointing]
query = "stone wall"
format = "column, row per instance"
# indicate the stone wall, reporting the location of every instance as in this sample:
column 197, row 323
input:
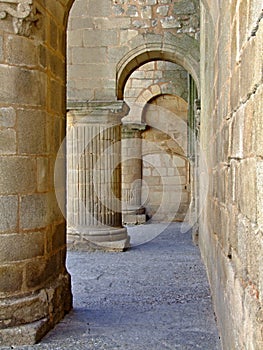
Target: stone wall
column 107, row 41
column 101, row 34
column 156, row 78
column 231, row 137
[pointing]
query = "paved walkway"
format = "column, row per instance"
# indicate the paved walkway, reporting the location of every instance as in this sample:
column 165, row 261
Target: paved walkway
column 152, row 297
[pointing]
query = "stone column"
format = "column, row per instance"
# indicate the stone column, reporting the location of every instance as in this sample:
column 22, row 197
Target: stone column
column 94, row 176
column 35, row 287
column 132, row 210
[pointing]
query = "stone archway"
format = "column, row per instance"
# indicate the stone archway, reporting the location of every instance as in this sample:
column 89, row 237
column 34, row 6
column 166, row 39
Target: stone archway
column 32, row 104
column 180, row 50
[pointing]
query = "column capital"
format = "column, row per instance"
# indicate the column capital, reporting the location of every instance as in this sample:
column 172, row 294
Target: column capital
column 102, row 112
column 22, row 12
column 131, row 130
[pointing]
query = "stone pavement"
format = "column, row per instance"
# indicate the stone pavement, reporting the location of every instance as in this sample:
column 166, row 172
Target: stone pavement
column 153, row 297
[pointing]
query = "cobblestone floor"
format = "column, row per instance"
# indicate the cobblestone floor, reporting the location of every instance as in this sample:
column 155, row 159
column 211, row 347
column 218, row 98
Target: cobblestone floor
column 154, row 296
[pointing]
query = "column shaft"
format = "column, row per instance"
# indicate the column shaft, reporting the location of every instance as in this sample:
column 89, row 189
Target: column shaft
column 132, row 211
column 94, row 179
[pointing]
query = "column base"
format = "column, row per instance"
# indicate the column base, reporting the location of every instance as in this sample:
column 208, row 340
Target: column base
column 134, row 215
column 29, row 318
column 103, row 238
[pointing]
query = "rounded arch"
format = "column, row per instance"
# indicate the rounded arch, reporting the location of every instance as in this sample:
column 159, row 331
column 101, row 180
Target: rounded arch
column 159, row 89
column 182, row 50
column 153, row 91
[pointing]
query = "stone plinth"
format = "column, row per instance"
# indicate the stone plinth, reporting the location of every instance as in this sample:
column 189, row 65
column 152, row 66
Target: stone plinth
column 94, row 176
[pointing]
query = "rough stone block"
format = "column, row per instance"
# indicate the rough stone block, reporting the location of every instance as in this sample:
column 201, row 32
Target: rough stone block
column 35, row 211
column 132, row 11
column 128, row 35
column 247, row 79
column 56, row 101
column 91, row 71
column 235, row 88
column 105, row 94
column 17, row 175
column 56, row 65
column 113, row 53
column 22, row 86
column 7, row 117
column 184, row 7
column 162, row 10
column 237, row 147
column 170, row 22
column 84, row 55
column 59, row 237
column 7, row 141
column 31, row 129
column 103, row 37
column 99, row 9
column 75, row 38
column 1, row 48
column 233, row 181
column 146, row 12
column 21, row 51
column 53, row 34
column 43, row 174
column 80, row 22
column 78, row 9
column 247, row 190
column 255, row 10
column 11, row 278
column 242, row 16
column 21, row 246
column 39, row 271
column 8, row 213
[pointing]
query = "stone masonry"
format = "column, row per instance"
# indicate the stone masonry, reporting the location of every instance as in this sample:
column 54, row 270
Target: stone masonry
column 218, row 46
column 231, row 137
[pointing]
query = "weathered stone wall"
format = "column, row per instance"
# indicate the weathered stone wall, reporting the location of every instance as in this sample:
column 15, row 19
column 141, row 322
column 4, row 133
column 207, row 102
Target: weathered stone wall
column 156, row 78
column 106, row 38
column 100, row 34
column 231, row 137
column 34, row 284
column 164, row 84
column 165, row 171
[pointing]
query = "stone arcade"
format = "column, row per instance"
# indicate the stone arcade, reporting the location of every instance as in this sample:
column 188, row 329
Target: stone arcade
column 127, row 62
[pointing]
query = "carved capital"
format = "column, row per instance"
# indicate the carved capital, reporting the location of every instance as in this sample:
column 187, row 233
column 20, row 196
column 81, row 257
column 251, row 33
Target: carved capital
column 22, row 13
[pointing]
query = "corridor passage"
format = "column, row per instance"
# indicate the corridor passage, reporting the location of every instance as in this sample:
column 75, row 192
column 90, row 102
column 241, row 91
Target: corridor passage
column 153, row 297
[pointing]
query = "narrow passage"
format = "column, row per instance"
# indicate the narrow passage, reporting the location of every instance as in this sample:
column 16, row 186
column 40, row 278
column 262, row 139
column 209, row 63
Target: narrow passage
column 154, row 296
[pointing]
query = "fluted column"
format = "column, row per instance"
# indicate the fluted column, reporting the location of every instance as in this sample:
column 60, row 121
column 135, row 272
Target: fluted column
column 94, row 175
column 132, row 210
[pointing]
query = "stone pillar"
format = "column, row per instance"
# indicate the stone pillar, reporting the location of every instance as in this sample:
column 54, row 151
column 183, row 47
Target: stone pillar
column 132, row 210
column 94, row 176
column 35, row 288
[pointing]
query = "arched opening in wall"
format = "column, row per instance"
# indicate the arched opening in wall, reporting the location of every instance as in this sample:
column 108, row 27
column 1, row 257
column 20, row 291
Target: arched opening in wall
column 98, row 48
column 165, row 167
column 157, row 93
